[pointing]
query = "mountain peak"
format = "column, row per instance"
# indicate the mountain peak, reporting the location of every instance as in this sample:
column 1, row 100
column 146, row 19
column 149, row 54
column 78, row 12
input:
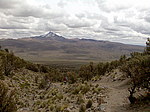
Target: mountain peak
column 51, row 36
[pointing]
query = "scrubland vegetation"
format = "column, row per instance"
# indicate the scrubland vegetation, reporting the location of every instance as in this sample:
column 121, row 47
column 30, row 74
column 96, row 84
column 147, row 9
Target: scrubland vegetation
column 40, row 88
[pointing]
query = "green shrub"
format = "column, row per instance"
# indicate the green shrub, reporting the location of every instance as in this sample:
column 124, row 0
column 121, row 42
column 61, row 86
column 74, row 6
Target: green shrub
column 72, row 77
column 7, row 99
column 137, row 68
column 86, row 72
column 82, row 108
column 59, row 96
column 89, row 104
column 58, row 108
column 32, row 67
column 44, row 69
column 2, row 76
column 76, row 90
column 43, row 84
column 80, row 99
column 85, row 88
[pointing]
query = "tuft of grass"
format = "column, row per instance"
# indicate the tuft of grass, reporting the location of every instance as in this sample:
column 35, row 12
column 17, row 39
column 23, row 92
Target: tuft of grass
column 82, row 108
column 7, row 99
column 89, row 104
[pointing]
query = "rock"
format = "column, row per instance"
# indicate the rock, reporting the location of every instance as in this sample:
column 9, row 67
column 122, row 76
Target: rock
column 101, row 107
column 24, row 110
column 88, row 110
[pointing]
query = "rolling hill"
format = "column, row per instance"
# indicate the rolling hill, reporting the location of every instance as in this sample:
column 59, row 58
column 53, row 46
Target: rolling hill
column 55, row 48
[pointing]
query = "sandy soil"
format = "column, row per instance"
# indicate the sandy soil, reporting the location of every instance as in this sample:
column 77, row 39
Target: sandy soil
column 116, row 100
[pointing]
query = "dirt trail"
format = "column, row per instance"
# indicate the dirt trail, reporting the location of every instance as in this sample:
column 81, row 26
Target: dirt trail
column 116, row 99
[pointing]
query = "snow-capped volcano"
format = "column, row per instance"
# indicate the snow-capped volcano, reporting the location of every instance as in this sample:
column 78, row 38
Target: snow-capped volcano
column 50, row 35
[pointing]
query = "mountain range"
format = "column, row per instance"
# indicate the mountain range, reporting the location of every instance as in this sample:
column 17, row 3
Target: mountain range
column 52, row 47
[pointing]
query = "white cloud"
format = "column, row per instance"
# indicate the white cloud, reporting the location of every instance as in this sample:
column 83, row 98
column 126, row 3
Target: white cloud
column 115, row 20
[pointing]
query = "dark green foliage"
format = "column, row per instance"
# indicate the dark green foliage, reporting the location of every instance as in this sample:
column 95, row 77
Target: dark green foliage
column 89, row 104
column 102, row 68
column 9, row 63
column 32, row 67
column 86, row 72
column 137, row 67
column 114, row 64
column 1, row 76
column 82, row 108
column 56, row 75
column 82, row 88
column 1, row 73
column 144, row 99
column 7, row 99
column 43, row 84
column 147, row 49
column 72, row 77
column 6, row 50
column 44, row 69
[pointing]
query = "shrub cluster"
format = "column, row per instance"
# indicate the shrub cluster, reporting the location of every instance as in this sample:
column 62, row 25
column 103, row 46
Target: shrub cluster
column 137, row 68
column 7, row 99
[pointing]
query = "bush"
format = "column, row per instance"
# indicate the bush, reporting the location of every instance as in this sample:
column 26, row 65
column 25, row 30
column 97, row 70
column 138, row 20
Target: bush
column 80, row 99
column 87, row 72
column 9, row 63
column 89, row 104
column 72, row 77
column 82, row 108
column 32, row 67
column 7, row 99
column 43, row 84
column 43, row 68
column 137, row 68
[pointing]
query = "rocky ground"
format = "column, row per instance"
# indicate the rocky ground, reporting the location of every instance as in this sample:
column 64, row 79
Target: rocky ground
column 106, row 95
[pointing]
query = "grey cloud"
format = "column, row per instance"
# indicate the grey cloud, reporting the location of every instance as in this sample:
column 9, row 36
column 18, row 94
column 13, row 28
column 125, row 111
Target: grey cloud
column 12, row 27
column 108, row 7
column 112, row 29
column 80, row 15
column 12, row 23
column 142, row 29
column 147, row 15
column 36, row 12
column 62, row 3
column 138, row 25
column 47, row 25
column 54, row 27
column 147, row 19
column 92, row 16
column 74, row 22
column 8, row 4
column 78, row 23
column 4, row 33
column 26, row 10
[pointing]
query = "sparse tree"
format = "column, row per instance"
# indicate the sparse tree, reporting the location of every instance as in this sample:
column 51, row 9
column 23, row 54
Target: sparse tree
column 138, row 69
column 86, row 72
column 8, row 63
column 147, row 49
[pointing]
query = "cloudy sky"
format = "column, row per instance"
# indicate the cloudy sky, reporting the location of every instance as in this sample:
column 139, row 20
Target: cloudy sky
column 126, row 21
